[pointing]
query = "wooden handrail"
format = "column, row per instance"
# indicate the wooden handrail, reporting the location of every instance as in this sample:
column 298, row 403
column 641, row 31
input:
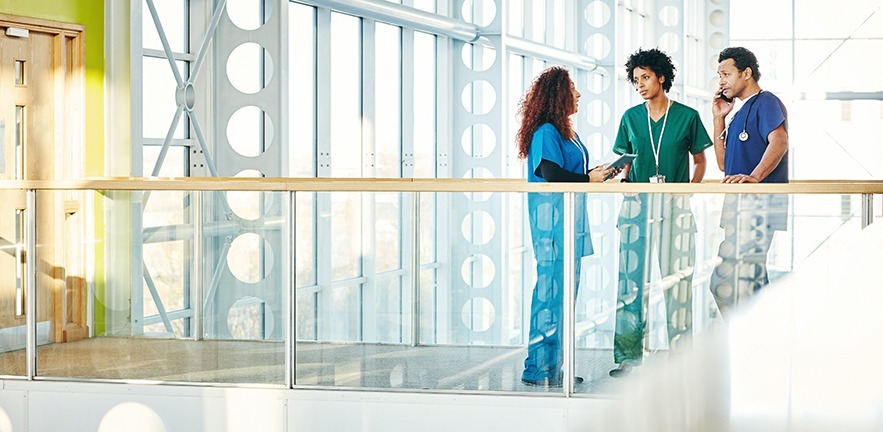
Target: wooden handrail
column 433, row 185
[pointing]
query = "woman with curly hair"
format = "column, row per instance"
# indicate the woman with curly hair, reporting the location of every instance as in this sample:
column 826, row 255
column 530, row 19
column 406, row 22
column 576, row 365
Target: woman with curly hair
column 554, row 153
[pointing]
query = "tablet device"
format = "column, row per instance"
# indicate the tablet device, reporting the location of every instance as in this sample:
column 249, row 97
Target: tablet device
column 622, row 161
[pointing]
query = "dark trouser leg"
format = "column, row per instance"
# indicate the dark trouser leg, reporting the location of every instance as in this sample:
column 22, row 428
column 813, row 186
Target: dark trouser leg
column 628, row 338
column 743, row 252
column 680, row 260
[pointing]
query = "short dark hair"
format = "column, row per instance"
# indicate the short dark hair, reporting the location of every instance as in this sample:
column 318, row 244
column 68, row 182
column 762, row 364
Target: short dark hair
column 654, row 59
column 742, row 58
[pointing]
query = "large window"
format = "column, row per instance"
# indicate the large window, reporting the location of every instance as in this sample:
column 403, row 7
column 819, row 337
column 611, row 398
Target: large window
column 166, row 288
column 811, row 63
column 369, row 97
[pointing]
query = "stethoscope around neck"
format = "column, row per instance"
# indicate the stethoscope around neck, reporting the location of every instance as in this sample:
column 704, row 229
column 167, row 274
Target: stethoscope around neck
column 743, row 136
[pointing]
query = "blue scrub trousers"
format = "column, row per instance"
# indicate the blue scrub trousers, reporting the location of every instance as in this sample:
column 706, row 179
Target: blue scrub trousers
column 544, row 352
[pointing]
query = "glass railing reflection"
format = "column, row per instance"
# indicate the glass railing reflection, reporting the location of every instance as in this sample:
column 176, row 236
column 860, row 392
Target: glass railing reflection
column 795, row 358
column 193, row 290
column 12, row 284
column 445, row 291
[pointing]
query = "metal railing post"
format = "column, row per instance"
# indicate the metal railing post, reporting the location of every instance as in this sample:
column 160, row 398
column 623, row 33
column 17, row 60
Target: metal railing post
column 31, row 282
column 198, row 266
column 415, row 269
column 867, row 209
column 290, row 298
column 569, row 290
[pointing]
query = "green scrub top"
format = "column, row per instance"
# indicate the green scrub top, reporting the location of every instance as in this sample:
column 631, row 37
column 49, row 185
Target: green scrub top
column 683, row 133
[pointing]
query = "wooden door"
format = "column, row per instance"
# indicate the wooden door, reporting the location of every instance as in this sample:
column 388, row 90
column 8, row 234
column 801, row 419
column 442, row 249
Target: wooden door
column 41, row 122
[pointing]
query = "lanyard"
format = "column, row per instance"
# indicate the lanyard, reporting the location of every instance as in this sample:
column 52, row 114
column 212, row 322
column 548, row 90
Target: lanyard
column 650, row 129
column 582, row 151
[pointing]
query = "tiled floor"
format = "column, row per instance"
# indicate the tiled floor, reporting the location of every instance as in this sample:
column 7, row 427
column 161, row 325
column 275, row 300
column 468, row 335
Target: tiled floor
column 339, row 365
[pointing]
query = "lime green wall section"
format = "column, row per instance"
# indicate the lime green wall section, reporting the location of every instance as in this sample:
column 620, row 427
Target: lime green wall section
column 90, row 14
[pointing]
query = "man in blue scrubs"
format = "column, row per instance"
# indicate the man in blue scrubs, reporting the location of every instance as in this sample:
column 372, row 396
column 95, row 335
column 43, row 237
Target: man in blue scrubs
column 751, row 148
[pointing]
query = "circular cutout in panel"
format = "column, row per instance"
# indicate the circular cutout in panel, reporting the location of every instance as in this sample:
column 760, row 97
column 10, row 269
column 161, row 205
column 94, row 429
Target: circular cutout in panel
column 717, row 40
column 478, row 271
column 670, row 43
column 479, row 58
column 602, row 274
column 629, row 233
column 479, row 12
column 546, row 217
column 631, row 208
column 250, row 131
column 681, row 319
column 678, row 244
column 598, row 145
column 551, row 290
column 597, row 46
column 599, row 212
column 597, row 83
column 628, row 290
column 597, row 14
column 478, row 173
column 478, row 97
column 478, row 227
column 120, row 418
column 6, row 422
column 396, row 376
column 601, row 243
column 250, row 258
column 669, row 16
column 685, row 221
column 597, row 113
column 250, row 318
column 724, row 290
column 478, row 141
column 249, row 68
column 478, row 314
column 248, row 14
column 250, row 205
column 629, row 260
column 717, row 18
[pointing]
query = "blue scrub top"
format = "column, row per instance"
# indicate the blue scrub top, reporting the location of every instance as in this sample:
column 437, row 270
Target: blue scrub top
column 546, row 225
column 767, row 112
column 547, row 143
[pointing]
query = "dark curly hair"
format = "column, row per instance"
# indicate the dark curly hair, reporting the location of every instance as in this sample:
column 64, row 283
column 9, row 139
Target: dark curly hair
column 742, row 58
column 549, row 100
column 657, row 61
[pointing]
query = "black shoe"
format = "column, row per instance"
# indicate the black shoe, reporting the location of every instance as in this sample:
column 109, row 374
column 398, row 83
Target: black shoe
column 549, row 382
column 621, row 371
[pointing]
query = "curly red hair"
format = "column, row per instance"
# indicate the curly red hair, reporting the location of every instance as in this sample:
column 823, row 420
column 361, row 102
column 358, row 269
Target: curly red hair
column 549, row 100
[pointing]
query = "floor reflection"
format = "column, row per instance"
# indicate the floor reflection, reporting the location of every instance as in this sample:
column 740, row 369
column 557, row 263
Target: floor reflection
column 802, row 355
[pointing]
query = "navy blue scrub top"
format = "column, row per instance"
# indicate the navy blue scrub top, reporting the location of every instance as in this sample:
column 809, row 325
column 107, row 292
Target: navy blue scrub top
column 764, row 112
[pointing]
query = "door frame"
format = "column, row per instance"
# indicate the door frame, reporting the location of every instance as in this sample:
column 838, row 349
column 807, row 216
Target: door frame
column 69, row 299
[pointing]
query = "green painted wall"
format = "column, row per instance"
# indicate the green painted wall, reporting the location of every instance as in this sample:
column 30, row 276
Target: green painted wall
column 89, row 13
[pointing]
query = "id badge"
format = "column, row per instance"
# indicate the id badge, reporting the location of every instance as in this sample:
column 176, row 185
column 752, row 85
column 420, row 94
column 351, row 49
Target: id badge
column 659, row 178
